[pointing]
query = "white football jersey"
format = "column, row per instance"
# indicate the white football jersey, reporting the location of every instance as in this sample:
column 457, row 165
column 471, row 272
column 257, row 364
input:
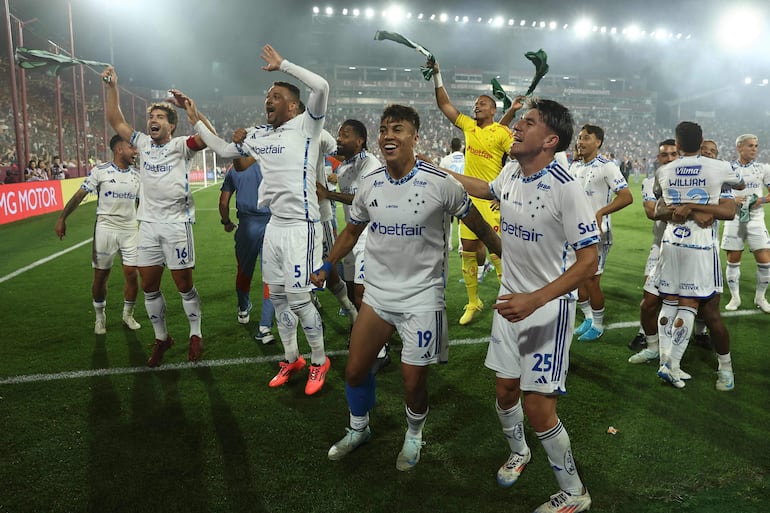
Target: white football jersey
column 600, row 179
column 757, row 178
column 117, row 191
column 328, row 144
column 648, row 194
column 694, row 179
column 540, row 216
column 349, row 174
column 406, row 245
column 455, row 161
column 165, row 175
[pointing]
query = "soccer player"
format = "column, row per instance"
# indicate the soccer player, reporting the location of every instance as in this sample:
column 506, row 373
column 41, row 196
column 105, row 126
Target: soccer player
column 249, row 236
column 543, row 210
column 600, row 178
column 287, row 150
column 750, row 228
column 166, row 212
column 486, row 144
column 405, row 207
column 357, row 162
column 455, row 161
column 709, row 149
column 648, row 315
column 688, row 271
column 116, row 185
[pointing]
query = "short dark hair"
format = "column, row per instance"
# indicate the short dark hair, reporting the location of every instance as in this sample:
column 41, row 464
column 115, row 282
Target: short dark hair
column 455, row 144
column 358, row 128
column 557, row 117
column 667, row 142
column 491, row 98
column 114, row 141
column 402, row 113
column 689, row 136
column 169, row 109
column 597, row 131
column 293, row 90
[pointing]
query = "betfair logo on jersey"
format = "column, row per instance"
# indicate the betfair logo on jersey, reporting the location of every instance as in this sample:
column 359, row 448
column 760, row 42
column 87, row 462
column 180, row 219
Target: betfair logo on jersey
column 687, row 170
column 399, row 230
column 682, row 232
column 157, row 168
column 270, row 149
column 479, row 152
column 520, row 232
column 120, row 195
column 587, row 228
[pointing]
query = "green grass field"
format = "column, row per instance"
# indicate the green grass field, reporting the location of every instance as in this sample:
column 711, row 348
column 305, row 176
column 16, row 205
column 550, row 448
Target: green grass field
column 215, row 438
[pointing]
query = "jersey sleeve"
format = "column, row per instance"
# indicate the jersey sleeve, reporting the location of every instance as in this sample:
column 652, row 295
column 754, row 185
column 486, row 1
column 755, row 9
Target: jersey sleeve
column 218, row 145
column 465, row 122
column 577, row 219
column 358, row 211
column 614, row 177
column 456, row 200
column 315, row 110
column 91, row 182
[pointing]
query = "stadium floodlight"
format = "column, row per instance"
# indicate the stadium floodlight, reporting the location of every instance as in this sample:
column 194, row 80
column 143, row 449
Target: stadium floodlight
column 408, row 16
column 489, row 21
column 565, row 26
column 478, row 20
column 498, row 21
column 583, row 27
column 510, row 22
column 316, row 10
column 407, row 69
column 443, row 17
column 432, row 17
column 522, row 23
column 356, row 12
column 679, row 36
column 552, row 25
column 603, row 30
column 351, row 67
column 740, row 27
column 329, row 11
column 420, row 16
column 660, row 34
column 345, row 11
column 764, row 81
column 383, row 69
column 394, row 13
column 747, row 80
column 614, row 30
column 632, row 32
column 542, row 24
column 465, row 19
column 457, row 19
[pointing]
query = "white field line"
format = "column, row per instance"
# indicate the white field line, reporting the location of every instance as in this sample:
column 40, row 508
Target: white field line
column 64, row 251
column 90, row 373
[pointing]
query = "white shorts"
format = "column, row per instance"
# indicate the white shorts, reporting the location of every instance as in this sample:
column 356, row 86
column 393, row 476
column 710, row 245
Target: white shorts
column 291, row 253
column 754, row 233
column 605, row 243
column 650, row 282
column 353, row 263
column 169, row 244
column 109, row 242
column 424, row 335
column 535, row 350
column 329, row 239
column 688, row 272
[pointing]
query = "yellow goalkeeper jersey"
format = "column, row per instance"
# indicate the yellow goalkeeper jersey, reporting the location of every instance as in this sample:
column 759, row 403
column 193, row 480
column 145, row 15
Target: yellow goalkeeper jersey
column 484, row 147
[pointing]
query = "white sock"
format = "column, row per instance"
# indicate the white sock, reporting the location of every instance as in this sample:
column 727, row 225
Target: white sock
column 652, row 342
column 310, row 320
column 191, row 302
column 733, row 275
column 725, row 362
column 585, row 307
column 598, row 318
column 128, row 308
column 685, row 318
column 763, row 277
column 415, row 422
column 286, row 321
column 665, row 322
column 155, row 304
column 340, row 291
column 99, row 307
column 512, row 421
column 559, row 450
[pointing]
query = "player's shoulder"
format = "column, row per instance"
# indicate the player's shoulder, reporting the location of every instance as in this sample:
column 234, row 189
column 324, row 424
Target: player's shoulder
column 374, row 175
column 558, row 174
column 430, row 169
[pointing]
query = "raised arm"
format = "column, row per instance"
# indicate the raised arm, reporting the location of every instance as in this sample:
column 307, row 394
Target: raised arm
column 179, row 99
column 319, row 87
column 510, row 114
column 210, row 139
column 442, row 98
column 114, row 114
